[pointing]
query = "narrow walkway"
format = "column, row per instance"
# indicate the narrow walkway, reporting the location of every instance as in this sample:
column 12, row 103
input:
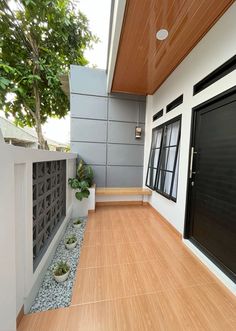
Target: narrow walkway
column 135, row 274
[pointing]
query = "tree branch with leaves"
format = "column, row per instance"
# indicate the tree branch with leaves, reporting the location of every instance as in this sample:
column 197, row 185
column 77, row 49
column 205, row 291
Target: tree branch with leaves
column 39, row 40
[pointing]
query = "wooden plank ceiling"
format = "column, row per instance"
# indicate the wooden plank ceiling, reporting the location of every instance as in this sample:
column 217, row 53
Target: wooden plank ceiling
column 143, row 62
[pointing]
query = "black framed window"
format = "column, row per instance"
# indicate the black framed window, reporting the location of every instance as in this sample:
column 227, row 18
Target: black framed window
column 162, row 174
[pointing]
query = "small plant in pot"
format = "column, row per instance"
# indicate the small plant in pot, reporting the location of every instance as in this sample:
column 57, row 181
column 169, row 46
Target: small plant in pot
column 83, row 181
column 77, row 223
column 71, row 242
column 61, row 271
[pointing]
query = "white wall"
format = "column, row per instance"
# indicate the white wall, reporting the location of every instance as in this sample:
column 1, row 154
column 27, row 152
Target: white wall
column 7, row 247
column 213, row 50
column 18, row 282
column 20, row 209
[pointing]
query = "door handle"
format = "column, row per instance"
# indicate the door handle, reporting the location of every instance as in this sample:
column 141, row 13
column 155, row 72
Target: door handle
column 191, row 172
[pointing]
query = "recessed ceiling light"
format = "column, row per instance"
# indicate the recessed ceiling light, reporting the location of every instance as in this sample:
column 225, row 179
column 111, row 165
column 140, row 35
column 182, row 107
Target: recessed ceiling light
column 162, row 34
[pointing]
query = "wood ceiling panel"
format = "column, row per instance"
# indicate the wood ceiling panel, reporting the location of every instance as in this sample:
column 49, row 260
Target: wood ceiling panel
column 143, row 63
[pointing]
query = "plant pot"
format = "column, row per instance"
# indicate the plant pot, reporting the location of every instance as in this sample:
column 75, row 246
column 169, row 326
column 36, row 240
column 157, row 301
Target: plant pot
column 71, row 246
column 80, row 208
column 77, row 226
column 62, row 278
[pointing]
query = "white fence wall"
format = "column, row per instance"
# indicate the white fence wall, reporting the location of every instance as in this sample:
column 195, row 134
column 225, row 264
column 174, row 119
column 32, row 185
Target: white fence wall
column 18, row 282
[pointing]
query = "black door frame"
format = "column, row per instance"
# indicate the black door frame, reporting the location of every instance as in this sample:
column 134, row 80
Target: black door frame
column 187, row 225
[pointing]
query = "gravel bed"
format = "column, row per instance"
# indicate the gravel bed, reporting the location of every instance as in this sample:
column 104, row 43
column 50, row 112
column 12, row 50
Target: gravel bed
column 51, row 294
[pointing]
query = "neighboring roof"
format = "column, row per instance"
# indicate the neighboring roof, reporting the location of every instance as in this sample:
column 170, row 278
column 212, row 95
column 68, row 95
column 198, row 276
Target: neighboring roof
column 11, row 131
column 26, row 134
column 56, row 143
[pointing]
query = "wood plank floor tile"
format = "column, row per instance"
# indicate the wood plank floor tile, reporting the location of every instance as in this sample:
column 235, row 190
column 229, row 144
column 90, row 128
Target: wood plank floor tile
column 140, row 278
column 196, row 307
column 97, row 284
column 135, row 274
column 131, row 252
column 98, row 256
column 51, row 320
column 172, row 310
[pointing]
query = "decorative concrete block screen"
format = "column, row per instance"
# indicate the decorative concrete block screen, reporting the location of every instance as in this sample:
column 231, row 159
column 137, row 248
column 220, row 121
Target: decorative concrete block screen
column 49, row 204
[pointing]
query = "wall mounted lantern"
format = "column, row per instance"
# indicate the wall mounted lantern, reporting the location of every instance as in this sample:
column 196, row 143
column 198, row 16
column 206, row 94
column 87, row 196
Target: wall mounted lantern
column 138, row 132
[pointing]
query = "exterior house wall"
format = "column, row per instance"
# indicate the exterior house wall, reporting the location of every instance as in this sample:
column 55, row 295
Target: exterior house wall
column 213, row 50
column 103, row 129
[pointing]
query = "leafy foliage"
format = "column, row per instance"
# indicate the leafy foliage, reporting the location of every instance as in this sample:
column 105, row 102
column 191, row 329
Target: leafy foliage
column 83, row 181
column 61, row 268
column 38, row 42
column 71, row 239
column 81, row 187
column 78, row 221
column 85, row 173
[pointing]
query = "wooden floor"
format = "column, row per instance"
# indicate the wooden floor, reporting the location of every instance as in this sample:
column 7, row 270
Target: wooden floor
column 135, row 274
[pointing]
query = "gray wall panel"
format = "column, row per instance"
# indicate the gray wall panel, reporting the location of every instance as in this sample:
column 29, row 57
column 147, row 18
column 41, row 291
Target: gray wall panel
column 124, row 133
column 99, row 175
column 103, row 129
column 123, row 110
column 88, row 130
column 124, row 176
column 86, row 80
column 125, row 155
column 142, row 112
column 88, row 106
column 92, row 153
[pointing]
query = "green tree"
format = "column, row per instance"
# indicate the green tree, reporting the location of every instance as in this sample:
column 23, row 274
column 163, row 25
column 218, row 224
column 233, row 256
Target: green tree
column 39, row 40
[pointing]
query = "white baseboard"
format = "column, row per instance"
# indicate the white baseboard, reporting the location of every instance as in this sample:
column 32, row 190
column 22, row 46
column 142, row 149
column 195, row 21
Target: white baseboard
column 212, row 267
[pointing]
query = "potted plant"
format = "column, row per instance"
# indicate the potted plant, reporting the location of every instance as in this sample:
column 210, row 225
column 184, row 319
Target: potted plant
column 77, row 223
column 71, row 242
column 82, row 185
column 61, row 271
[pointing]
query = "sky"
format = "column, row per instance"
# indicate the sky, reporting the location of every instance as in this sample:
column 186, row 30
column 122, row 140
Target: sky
column 98, row 14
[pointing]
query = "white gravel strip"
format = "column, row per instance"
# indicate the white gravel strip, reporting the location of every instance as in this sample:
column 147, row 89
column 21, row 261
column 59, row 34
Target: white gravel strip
column 52, row 294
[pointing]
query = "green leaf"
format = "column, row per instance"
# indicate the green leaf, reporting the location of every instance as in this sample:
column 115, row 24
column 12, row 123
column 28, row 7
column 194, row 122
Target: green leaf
column 79, row 196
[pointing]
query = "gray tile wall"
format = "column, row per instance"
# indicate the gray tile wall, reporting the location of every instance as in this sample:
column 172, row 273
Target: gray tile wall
column 103, row 129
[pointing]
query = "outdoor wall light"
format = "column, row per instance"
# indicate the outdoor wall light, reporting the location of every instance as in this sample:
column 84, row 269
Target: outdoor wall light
column 162, row 34
column 138, row 132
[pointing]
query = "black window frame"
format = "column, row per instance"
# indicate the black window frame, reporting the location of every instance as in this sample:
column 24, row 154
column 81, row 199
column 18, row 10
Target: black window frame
column 158, row 169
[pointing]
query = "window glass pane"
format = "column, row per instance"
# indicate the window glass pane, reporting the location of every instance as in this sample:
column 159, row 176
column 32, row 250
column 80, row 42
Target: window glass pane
column 156, row 157
column 161, row 179
column 175, row 133
column 148, row 177
column 158, row 140
column 167, row 134
column 153, row 178
column 164, row 156
column 168, row 180
column 171, row 158
column 151, row 161
column 175, row 183
column 154, row 138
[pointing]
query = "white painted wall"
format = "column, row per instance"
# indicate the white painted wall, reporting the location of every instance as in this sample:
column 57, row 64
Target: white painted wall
column 18, row 283
column 20, row 209
column 7, row 247
column 213, row 50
